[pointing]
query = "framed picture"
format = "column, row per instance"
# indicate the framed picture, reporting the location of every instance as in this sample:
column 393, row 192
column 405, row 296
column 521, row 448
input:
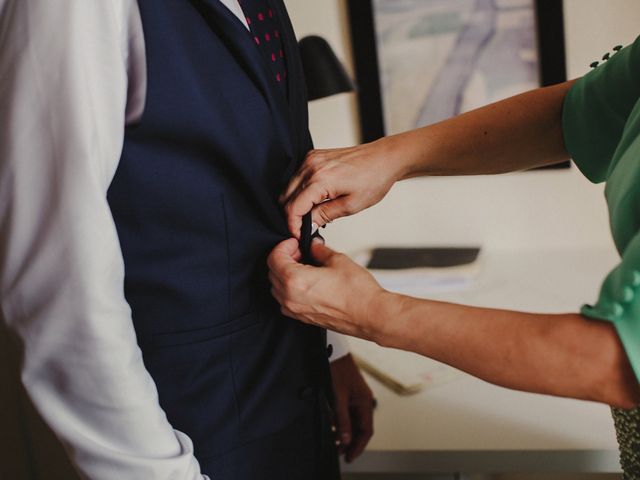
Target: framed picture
column 421, row 61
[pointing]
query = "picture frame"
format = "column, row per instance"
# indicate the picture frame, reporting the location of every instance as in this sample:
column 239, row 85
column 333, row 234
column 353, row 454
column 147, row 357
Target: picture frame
column 521, row 41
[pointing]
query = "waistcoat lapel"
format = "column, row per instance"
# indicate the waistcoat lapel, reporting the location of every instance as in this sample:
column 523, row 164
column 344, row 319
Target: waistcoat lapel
column 240, row 43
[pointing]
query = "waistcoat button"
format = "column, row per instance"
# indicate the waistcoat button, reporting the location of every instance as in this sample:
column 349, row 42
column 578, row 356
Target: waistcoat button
column 306, row 393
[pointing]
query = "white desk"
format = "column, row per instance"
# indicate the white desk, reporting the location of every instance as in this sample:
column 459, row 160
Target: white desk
column 469, row 426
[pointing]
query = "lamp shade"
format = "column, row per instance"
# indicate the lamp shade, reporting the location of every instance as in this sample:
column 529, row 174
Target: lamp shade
column 324, row 74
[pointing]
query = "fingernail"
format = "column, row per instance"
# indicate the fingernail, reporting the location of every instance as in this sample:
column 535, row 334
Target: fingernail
column 333, row 428
column 314, row 228
column 318, row 239
column 337, row 443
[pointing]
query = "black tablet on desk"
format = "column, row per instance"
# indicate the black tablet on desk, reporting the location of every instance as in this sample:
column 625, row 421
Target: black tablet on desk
column 396, row 258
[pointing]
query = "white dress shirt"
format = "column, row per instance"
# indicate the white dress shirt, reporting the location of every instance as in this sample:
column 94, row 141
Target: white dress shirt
column 72, row 75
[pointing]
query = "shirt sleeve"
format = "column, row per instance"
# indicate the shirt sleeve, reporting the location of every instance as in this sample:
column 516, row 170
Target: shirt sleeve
column 596, row 109
column 63, row 94
column 619, row 302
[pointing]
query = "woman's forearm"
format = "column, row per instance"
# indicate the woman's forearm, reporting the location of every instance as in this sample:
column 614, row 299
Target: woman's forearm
column 518, row 133
column 564, row 355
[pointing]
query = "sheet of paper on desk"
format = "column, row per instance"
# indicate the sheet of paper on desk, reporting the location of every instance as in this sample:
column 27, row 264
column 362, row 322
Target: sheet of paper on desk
column 424, row 279
column 405, row 373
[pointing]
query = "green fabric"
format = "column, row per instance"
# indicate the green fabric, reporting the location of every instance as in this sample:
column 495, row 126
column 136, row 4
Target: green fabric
column 601, row 124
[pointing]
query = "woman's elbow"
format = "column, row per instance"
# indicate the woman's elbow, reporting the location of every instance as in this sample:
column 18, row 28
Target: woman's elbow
column 625, row 399
column 621, row 388
column 609, row 375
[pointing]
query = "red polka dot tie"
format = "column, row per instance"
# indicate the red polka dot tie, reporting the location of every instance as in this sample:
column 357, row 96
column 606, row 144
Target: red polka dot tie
column 266, row 31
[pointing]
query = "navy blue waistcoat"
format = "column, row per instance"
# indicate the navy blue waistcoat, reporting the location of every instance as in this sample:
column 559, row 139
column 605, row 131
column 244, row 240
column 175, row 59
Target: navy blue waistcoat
column 195, row 204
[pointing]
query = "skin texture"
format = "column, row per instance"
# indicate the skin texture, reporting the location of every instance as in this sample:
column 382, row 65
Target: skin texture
column 564, row 354
column 522, row 132
column 354, row 402
column 353, row 408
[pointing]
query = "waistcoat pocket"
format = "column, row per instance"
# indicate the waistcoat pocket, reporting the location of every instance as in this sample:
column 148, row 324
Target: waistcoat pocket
column 198, row 335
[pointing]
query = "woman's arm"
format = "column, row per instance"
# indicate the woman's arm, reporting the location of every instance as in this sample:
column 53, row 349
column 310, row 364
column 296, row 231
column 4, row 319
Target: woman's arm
column 518, row 133
column 565, row 355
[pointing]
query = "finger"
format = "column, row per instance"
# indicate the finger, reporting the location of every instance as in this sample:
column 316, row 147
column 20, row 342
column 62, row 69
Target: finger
column 327, row 212
column 343, row 421
column 296, row 183
column 297, row 255
column 276, row 282
column 280, row 298
column 283, row 256
column 362, row 417
column 288, row 313
column 302, row 204
column 277, row 294
column 314, row 157
column 321, row 252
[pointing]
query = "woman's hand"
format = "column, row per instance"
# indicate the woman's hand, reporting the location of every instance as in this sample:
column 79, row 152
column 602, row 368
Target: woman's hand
column 340, row 182
column 518, row 133
column 339, row 295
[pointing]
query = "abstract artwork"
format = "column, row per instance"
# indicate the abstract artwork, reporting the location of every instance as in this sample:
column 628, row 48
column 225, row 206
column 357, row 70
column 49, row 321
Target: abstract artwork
column 422, row 61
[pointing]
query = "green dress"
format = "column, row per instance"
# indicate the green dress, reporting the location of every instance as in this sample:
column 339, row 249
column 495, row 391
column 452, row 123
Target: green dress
column 601, row 122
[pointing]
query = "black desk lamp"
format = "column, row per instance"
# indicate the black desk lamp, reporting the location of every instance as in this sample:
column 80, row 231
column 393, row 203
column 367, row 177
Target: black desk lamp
column 324, row 74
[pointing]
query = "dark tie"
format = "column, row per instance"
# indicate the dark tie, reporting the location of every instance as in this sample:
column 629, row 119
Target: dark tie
column 266, row 31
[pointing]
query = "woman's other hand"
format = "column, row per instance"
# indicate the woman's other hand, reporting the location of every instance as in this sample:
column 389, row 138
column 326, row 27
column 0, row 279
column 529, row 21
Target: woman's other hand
column 340, row 182
column 339, row 295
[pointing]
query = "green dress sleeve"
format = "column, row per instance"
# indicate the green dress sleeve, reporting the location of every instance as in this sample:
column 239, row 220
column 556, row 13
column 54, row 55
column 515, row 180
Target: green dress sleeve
column 619, row 302
column 596, row 109
column 601, row 126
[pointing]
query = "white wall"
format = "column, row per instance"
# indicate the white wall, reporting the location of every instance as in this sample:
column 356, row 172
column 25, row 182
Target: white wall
column 522, row 210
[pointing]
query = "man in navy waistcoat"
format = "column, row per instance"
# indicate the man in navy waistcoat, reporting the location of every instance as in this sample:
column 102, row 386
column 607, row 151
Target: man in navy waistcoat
column 145, row 146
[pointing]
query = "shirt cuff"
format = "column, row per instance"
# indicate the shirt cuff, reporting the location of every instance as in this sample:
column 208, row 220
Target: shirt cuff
column 338, row 345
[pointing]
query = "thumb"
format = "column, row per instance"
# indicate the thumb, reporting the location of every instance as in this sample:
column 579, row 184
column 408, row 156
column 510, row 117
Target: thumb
column 321, row 252
column 284, row 255
column 331, row 210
